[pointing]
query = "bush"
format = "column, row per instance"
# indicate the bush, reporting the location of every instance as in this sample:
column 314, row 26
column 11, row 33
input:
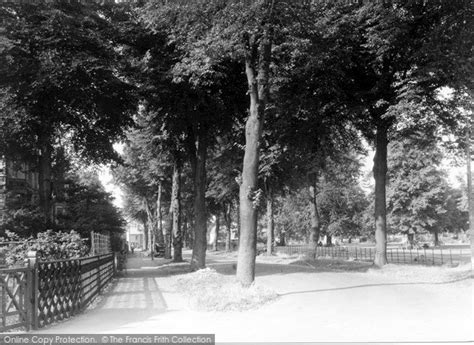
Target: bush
column 24, row 221
column 48, row 244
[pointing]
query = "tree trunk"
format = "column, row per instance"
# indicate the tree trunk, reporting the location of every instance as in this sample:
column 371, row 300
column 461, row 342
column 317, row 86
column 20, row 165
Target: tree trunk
column 315, row 220
column 45, row 180
column 145, row 233
column 198, row 260
column 216, row 238
column 168, row 230
column 151, row 239
column 470, row 201
column 159, row 216
column 238, row 223
column 191, row 230
column 176, row 212
column 380, row 176
column 151, row 228
column 411, row 240
column 168, row 233
column 270, row 222
column 282, row 238
column 436, row 237
column 228, row 224
column 258, row 93
column 185, row 232
column 329, row 240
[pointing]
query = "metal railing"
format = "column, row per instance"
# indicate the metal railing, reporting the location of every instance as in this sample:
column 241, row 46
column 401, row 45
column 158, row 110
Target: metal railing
column 425, row 256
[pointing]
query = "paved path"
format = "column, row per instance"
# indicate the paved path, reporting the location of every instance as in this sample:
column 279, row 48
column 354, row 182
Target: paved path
column 315, row 304
column 134, row 297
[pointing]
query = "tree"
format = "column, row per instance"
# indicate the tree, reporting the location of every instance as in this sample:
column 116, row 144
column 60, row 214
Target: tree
column 418, row 191
column 403, row 54
column 89, row 208
column 342, row 205
column 292, row 217
column 224, row 172
column 194, row 96
column 60, row 76
column 145, row 175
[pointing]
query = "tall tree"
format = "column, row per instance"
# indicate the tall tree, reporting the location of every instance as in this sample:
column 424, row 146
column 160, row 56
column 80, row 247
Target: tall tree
column 204, row 93
column 61, row 72
column 403, row 54
column 418, row 190
column 145, row 175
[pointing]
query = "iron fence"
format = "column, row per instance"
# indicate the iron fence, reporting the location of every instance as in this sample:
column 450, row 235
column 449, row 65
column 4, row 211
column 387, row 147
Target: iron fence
column 424, row 256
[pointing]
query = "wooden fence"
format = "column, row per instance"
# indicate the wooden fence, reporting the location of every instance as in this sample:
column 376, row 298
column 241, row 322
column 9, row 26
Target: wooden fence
column 430, row 256
column 51, row 291
column 100, row 243
column 15, row 286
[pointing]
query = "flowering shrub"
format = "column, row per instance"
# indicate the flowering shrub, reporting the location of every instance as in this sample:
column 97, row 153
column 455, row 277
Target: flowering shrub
column 49, row 245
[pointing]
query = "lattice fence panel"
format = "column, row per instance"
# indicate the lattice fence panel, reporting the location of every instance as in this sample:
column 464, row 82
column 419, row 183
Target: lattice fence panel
column 96, row 272
column 15, row 295
column 100, row 244
column 58, row 291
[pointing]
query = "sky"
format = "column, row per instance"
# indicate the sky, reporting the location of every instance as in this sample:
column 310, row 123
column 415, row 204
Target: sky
column 106, row 178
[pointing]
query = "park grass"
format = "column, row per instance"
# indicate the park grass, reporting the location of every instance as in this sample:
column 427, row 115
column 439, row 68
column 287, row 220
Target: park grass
column 320, row 264
column 207, row 290
column 421, row 273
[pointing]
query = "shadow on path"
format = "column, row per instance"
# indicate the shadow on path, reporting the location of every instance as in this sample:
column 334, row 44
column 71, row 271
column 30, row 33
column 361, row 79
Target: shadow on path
column 132, row 298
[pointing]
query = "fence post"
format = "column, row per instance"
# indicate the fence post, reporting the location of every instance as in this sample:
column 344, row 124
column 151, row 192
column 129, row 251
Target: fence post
column 99, row 280
column 93, row 243
column 28, row 299
column 32, row 290
column 4, row 306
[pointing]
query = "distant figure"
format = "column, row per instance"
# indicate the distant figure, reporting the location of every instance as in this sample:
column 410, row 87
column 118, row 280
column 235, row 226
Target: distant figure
column 320, row 244
column 132, row 248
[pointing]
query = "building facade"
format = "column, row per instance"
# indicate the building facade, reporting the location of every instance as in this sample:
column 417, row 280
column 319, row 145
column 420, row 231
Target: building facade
column 19, row 185
column 135, row 234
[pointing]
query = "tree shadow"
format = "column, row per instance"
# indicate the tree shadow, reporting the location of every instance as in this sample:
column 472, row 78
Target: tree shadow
column 127, row 301
column 145, row 267
column 265, row 269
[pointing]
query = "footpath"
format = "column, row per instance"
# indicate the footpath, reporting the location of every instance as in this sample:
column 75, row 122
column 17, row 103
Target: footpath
column 314, row 304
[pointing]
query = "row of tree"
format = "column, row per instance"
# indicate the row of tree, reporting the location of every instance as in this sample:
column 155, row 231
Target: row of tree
column 234, row 104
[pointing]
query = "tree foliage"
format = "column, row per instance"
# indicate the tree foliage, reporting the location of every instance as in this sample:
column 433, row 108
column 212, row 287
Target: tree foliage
column 419, row 197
